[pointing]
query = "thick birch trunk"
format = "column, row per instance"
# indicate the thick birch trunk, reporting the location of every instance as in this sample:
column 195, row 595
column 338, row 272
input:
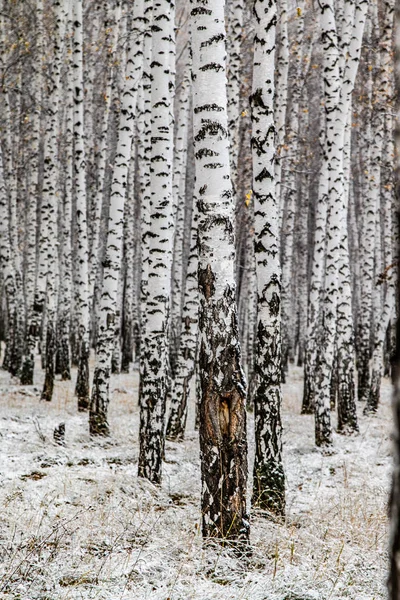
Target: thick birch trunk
column 223, row 446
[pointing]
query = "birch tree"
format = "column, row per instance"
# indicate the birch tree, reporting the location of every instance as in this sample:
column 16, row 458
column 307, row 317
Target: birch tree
column 269, row 480
column 108, row 309
column 338, row 91
column 81, row 273
column 223, row 446
column 154, row 343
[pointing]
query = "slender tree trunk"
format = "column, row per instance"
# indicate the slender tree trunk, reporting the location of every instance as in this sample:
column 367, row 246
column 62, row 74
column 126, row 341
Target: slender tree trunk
column 50, row 202
column 234, row 44
column 179, row 193
column 28, row 360
column 281, row 96
column 82, row 273
column 154, row 344
column 108, row 310
column 188, row 344
column 268, row 476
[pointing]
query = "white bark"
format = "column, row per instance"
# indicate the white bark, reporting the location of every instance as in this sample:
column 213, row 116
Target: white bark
column 337, row 103
column 269, row 480
column 154, row 348
column 179, row 194
column 112, row 264
column 223, row 448
column 281, row 95
column 234, row 44
column 111, row 36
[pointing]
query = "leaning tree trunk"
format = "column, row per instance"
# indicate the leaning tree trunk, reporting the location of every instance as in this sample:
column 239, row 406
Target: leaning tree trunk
column 268, row 476
column 223, row 445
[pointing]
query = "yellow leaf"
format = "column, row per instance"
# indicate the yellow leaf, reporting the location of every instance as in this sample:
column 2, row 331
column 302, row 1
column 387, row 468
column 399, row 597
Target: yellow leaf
column 298, row 11
column 244, row 113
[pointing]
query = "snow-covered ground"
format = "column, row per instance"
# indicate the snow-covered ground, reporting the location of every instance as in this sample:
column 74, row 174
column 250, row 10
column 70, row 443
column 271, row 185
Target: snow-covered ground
column 77, row 523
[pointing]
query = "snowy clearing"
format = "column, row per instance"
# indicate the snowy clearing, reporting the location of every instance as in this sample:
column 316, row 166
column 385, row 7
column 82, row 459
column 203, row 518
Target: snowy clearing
column 76, row 522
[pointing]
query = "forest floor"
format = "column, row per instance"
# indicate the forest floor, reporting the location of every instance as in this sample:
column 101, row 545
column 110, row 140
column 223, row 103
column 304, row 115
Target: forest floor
column 77, row 523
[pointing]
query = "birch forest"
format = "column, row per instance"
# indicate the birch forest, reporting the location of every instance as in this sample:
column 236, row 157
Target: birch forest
column 199, row 301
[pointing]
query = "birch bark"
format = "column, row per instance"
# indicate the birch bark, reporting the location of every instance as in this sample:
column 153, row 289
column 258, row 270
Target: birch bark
column 27, row 367
column 223, row 446
column 82, row 266
column 268, row 476
column 154, row 348
column 108, row 317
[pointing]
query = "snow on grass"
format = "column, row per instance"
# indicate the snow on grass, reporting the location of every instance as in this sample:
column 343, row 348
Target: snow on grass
column 77, row 523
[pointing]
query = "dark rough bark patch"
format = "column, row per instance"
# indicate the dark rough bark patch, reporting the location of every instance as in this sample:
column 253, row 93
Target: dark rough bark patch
column 308, row 403
column 223, row 445
column 334, row 385
column 206, row 282
column 346, row 396
column 82, row 382
column 127, row 345
column 374, row 394
column 177, row 419
column 48, row 387
column 27, row 370
column 65, row 362
column 363, row 388
column 153, row 389
column 98, row 423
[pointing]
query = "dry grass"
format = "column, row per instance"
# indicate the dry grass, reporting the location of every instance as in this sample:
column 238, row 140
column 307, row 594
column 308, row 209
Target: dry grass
column 75, row 521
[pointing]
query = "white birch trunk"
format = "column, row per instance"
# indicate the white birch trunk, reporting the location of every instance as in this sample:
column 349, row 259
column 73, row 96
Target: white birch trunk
column 82, row 264
column 154, row 344
column 179, row 193
column 268, row 477
column 234, row 44
column 223, row 446
column 108, row 310
column 111, row 41
column 27, row 366
column 337, row 101
column 281, row 95
column 50, row 201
